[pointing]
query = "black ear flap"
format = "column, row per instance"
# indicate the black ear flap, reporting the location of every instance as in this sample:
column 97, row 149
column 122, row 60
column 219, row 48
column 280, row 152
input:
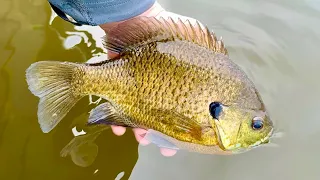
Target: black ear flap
column 215, row 109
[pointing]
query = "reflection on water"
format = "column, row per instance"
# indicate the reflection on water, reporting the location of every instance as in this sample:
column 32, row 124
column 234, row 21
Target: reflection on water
column 25, row 152
column 275, row 42
column 82, row 148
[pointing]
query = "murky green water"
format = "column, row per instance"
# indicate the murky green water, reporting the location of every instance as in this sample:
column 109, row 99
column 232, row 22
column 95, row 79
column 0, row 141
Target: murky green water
column 276, row 42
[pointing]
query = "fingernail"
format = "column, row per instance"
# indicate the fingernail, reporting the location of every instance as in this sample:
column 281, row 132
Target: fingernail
column 167, row 152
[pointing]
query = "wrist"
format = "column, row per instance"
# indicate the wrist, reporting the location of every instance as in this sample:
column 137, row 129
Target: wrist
column 153, row 11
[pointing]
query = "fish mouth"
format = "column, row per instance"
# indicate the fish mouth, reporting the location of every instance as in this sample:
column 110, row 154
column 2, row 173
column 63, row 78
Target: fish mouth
column 264, row 140
column 237, row 149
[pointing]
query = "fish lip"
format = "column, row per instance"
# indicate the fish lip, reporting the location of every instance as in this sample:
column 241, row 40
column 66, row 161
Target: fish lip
column 268, row 137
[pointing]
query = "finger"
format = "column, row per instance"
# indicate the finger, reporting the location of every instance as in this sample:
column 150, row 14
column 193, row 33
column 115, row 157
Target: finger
column 139, row 134
column 118, row 130
column 167, row 152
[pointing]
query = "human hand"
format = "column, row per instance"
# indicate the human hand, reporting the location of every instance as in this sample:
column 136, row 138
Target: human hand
column 139, row 134
column 155, row 11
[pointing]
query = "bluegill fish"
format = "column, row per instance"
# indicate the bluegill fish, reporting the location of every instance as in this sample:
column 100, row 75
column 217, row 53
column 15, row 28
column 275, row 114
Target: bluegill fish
column 172, row 78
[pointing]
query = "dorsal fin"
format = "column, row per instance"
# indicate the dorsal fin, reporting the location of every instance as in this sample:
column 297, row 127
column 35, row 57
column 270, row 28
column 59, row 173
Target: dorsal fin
column 140, row 31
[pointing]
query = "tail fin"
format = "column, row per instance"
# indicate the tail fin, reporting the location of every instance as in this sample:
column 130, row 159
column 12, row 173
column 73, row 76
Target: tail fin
column 51, row 82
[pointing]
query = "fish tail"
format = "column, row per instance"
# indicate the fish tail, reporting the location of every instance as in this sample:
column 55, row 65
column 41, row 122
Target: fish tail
column 52, row 82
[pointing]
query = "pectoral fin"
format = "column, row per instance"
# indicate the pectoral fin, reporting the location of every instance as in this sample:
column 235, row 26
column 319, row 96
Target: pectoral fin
column 180, row 123
column 158, row 139
column 107, row 114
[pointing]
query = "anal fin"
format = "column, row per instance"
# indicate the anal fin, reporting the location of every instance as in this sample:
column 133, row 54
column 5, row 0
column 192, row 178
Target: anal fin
column 106, row 114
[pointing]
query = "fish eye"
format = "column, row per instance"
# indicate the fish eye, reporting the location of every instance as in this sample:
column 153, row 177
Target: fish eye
column 215, row 109
column 257, row 123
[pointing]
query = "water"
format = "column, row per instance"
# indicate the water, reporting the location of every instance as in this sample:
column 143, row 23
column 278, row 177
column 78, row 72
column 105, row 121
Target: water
column 276, row 42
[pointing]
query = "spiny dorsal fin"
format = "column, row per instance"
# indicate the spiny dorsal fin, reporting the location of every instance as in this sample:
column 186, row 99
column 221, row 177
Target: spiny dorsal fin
column 143, row 30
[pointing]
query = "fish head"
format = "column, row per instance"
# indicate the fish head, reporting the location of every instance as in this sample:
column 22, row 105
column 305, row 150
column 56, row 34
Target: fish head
column 255, row 131
column 240, row 130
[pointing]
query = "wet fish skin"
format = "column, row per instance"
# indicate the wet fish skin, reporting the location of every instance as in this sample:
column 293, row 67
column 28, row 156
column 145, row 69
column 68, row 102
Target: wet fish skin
column 164, row 79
